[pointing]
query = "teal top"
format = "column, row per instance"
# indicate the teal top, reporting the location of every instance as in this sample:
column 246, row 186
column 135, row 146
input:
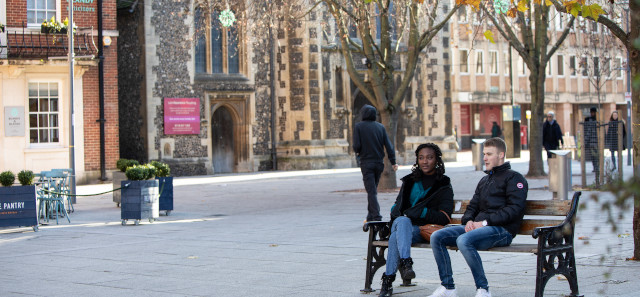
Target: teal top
column 417, row 192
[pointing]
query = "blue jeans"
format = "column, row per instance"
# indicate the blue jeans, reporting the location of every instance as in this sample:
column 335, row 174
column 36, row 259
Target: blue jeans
column 403, row 234
column 468, row 243
column 371, row 173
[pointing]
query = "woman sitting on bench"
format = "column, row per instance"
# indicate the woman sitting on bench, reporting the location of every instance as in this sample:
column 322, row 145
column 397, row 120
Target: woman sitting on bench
column 426, row 197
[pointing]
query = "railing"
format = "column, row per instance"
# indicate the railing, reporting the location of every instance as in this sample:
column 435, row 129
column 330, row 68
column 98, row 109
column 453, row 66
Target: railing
column 35, row 45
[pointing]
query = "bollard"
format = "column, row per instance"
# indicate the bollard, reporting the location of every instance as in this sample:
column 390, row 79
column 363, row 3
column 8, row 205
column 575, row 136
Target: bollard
column 476, row 151
column 560, row 174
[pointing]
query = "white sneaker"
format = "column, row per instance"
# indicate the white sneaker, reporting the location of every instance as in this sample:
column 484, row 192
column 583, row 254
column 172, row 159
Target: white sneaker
column 444, row 292
column 482, row 293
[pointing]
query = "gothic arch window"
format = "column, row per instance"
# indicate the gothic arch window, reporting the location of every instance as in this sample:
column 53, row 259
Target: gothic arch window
column 217, row 48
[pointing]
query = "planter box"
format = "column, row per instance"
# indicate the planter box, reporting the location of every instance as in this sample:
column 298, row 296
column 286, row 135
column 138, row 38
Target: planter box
column 139, row 200
column 165, row 185
column 18, row 206
column 118, row 177
column 47, row 30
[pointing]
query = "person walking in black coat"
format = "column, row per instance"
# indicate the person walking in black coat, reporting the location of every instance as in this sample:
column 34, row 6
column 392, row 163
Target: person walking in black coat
column 611, row 141
column 551, row 134
column 591, row 140
column 369, row 142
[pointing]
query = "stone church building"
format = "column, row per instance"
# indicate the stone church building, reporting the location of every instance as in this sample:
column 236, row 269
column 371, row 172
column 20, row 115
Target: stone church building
column 199, row 95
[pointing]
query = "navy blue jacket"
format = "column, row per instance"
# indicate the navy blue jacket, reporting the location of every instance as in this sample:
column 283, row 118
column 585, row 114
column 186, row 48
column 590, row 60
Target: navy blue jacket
column 500, row 199
column 370, row 138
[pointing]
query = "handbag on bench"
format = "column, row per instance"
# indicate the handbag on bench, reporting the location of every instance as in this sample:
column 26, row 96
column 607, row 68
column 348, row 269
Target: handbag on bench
column 428, row 229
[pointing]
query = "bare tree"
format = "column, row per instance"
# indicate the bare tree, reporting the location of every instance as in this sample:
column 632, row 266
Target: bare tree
column 526, row 31
column 598, row 50
column 412, row 23
column 627, row 38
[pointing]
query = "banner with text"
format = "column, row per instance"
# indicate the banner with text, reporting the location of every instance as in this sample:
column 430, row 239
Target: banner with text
column 181, row 116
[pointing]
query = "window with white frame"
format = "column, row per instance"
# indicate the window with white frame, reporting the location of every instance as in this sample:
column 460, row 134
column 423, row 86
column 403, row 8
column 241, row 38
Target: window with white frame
column 584, row 64
column 216, row 46
column 620, row 68
column 572, row 66
column 44, row 126
column 596, row 66
column 522, row 68
column 40, row 10
column 464, row 61
column 462, row 15
column 560, row 65
column 479, row 62
column 507, row 64
column 549, row 72
column 559, row 21
column 493, row 56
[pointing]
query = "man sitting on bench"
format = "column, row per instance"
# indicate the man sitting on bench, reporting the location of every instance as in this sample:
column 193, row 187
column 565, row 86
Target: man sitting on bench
column 492, row 219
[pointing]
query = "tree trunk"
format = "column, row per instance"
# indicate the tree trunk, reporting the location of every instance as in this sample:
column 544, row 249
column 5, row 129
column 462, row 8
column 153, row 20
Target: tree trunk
column 634, row 57
column 388, row 178
column 536, row 84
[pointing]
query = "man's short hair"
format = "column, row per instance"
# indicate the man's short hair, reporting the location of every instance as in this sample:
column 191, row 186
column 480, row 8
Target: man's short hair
column 498, row 143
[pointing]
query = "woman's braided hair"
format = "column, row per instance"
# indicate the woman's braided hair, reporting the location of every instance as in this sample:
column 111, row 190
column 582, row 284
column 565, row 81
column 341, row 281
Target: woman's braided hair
column 415, row 169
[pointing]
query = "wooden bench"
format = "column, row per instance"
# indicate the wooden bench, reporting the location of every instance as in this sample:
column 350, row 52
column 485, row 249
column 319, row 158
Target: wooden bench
column 552, row 222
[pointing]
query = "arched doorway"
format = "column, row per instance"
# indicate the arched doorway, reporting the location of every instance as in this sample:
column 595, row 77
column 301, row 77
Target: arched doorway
column 222, row 138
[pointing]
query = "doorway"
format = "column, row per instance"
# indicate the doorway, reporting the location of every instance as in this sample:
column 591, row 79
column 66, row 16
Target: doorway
column 222, row 137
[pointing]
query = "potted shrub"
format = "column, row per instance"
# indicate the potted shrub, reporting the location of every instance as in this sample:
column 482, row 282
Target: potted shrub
column 119, row 176
column 165, row 183
column 18, row 203
column 139, row 194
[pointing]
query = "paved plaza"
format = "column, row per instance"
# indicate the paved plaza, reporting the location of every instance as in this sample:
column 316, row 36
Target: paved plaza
column 294, row 233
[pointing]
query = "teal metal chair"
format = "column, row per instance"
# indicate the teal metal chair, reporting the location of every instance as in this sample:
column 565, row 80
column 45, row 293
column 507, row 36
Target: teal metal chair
column 66, row 186
column 50, row 197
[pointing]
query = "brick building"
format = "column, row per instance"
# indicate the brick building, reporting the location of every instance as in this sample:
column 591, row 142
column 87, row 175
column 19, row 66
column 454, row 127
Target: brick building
column 35, row 88
column 482, row 85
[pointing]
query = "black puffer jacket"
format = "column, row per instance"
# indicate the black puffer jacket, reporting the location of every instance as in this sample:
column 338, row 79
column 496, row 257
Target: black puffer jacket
column 440, row 197
column 500, row 199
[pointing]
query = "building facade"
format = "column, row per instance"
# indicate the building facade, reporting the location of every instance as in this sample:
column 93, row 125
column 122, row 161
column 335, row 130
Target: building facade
column 241, row 127
column 588, row 70
column 35, row 88
column 176, row 56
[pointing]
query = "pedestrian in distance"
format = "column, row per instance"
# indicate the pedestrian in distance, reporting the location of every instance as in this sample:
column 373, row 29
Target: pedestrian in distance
column 495, row 130
column 611, row 141
column 492, row 218
column 425, row 197
column 591, row 140
column 369, row 142
column 551, row 134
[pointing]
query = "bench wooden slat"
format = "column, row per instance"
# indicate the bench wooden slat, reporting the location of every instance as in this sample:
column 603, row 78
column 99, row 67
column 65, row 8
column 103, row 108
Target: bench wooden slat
column 514, row 247
column 533, row 207
column 527, row 224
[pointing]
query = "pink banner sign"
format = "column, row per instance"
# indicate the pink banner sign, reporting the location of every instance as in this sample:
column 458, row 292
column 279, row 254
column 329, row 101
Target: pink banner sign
column 181, row 116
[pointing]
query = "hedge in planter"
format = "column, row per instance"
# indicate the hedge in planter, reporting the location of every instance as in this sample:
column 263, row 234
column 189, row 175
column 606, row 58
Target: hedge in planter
column 139, row 198
column 119, row 176
column 18, row 203
column 165, row 182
